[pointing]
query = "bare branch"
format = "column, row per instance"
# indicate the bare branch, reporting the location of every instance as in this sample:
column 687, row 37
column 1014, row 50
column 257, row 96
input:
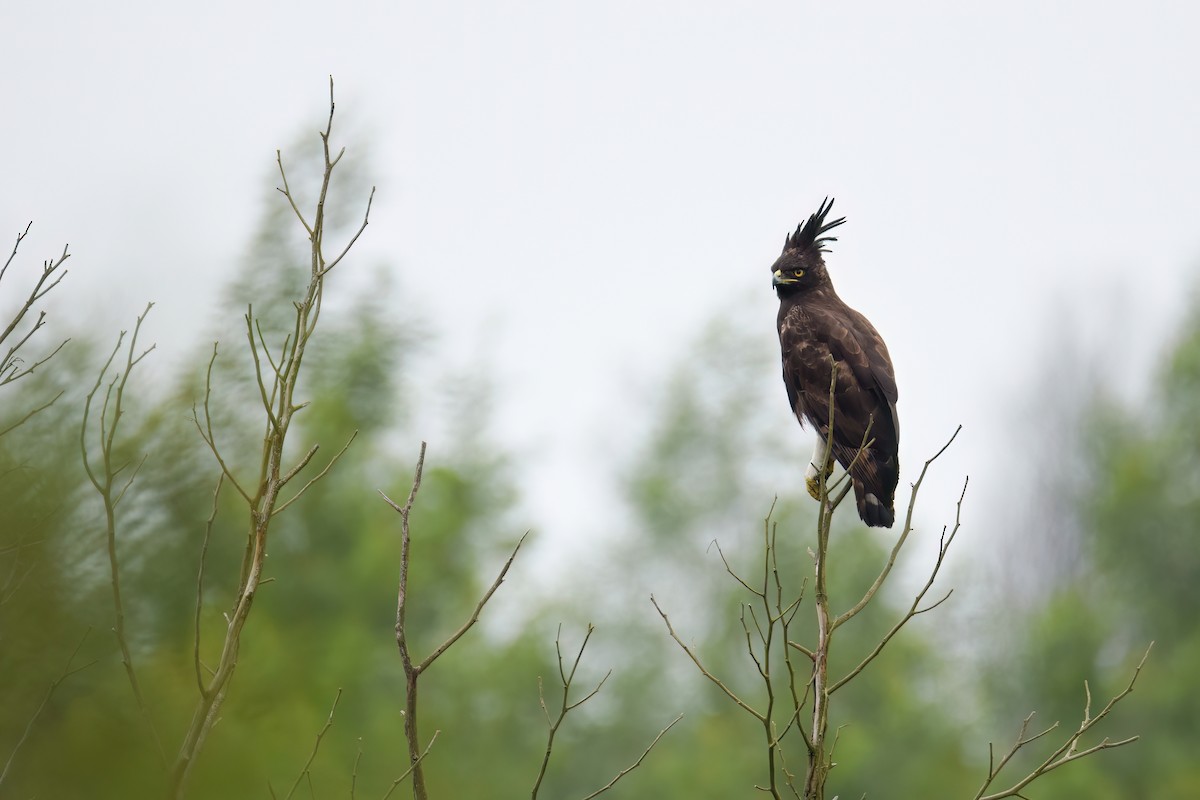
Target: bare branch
column 206, row 430
column 914, row 609
column 413, row 671
column 635, row 764
column 891, row 562
column 103, row 478
column 316, row 477
column 280, row 404
column 354, row 770
column 354, row 238
column 316, row 746
column 26, row 418
column 17, row 246
column 1066, row 752
column 10, row 363
column 67, row 672
column 733, row 574
column 565, row 707
column 200, row 583
column 286, row 191
column 267, row 402
column 704, row 670
column 466, row 626
column 412, row 767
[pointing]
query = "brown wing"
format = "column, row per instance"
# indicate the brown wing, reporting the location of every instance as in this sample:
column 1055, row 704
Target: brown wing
column 816, row 337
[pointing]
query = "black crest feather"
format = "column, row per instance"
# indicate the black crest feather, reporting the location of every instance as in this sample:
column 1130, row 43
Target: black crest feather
column 808, row 233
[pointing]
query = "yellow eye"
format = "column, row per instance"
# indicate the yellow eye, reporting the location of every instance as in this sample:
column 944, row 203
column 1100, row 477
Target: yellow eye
column 799, row 273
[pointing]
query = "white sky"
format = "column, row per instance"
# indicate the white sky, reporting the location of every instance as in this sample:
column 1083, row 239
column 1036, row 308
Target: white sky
column 569, row 189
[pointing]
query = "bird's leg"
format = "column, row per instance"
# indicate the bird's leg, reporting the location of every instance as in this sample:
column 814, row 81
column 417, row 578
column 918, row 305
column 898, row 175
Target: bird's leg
column 812, row 475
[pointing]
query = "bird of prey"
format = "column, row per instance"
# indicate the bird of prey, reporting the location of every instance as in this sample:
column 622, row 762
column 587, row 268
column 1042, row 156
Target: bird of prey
column 818, row 333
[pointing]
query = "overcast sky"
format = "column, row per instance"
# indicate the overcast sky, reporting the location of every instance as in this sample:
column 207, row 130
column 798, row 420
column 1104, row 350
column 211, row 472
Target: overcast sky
column 569, row 190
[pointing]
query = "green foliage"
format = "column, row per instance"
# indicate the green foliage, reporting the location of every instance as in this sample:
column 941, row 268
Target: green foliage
column 1137, row 527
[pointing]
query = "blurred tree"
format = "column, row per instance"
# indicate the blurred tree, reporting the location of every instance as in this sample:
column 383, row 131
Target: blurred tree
column 325, row 620
column 1137, row 502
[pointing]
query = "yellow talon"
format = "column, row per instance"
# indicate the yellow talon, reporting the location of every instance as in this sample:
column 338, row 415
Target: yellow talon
column 813, row 483
column 814, row 487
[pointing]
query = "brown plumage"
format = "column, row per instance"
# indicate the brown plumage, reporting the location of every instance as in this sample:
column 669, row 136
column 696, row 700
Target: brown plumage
column 818, row 332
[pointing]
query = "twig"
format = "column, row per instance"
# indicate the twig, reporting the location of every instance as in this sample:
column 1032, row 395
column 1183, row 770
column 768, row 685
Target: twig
column 316, row 477
column 412, row 672
column 914, row 609
column 411, row 767
column 103, row 478
column 206, row 430
column 10, row 363
column 67, row 672
column 354, row 769
column 316, row 746
column 474, row 617
column 37, row 410
column 704, row 670
column 280, row 406
column 566, row 706
column 200, row 582
column 635, row 764
column 891, row 562
column 1066, row 752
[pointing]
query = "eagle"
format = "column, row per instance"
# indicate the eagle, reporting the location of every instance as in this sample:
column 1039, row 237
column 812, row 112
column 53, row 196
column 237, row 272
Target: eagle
column 818, row 334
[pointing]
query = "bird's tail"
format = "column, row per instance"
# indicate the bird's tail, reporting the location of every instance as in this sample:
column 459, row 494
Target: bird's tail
column 875, row 511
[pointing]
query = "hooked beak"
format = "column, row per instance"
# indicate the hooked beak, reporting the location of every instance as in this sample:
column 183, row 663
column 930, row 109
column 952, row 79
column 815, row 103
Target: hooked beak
column 778, row 280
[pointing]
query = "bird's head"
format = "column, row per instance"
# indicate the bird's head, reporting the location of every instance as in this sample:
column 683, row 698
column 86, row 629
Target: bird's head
column 801, row 265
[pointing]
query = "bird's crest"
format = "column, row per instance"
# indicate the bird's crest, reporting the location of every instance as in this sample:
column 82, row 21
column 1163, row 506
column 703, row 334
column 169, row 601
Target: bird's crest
column 808, row 234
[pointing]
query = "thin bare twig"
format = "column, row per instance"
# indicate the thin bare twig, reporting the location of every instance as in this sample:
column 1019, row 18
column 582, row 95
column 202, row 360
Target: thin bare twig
column 412, row 766
column 316, row 477
column 10, row 364
column 37, row 410
column 206, row 430
column 306, row 771
column 566, row 706
column 474, row 617
column 635, row 764
column 103, row 478
column 1066, row 752
column 703, row 669
column 914, row 609
column 208, row 526
column 67, row 672
column 413, row 671
column 354, row 769
column 566, row 678
column 268, row 403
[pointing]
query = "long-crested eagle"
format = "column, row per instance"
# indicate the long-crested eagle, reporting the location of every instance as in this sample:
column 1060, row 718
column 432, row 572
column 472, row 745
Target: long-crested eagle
column 817, row 334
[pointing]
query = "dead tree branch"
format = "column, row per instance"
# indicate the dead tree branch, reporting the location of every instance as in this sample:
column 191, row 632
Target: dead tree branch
column 413, row 671
column 12, row 366
column 566, row 706
column 306, row 772
column 67, row 672
column 103, row 477
column 279, row 406
column 1067, row 751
